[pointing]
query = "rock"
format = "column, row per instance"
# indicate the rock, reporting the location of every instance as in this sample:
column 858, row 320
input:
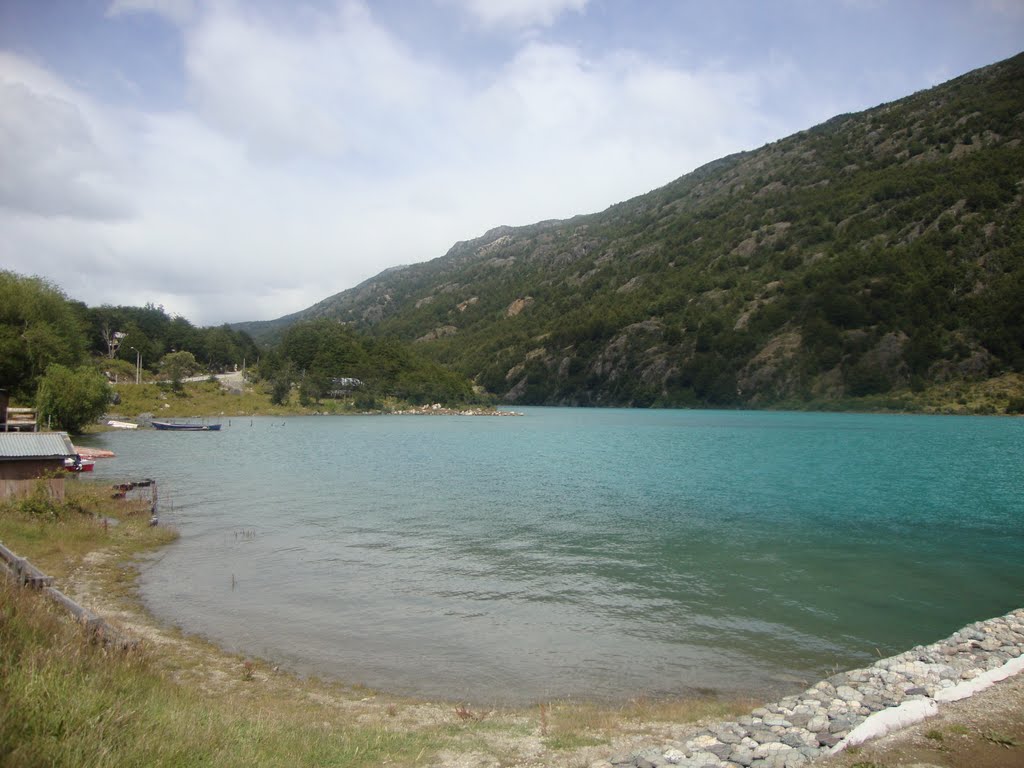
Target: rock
column 826, row 739
column 771, row 748
column 720, row 751
column 796, row 730
column 846, row 693
column 674, row 756
column 742, row 756
column 817, row 724
column 701, row 742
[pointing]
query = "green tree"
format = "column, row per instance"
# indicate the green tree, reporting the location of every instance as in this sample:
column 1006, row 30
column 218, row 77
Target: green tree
column 178, row 366
column 38, row 326
column 71, row 398
column 281, row 384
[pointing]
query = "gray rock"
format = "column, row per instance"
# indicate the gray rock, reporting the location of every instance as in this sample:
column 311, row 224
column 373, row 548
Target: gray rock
column 742, row 756
column 721, row 751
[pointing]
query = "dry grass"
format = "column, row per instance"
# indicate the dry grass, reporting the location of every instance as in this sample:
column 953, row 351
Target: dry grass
column 639, row 715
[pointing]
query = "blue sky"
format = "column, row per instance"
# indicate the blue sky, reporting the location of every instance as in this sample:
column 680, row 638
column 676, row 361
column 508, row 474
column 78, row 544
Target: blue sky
column 243, row 159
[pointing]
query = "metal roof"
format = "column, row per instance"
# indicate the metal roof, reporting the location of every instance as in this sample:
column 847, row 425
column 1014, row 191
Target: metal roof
column 35, row 445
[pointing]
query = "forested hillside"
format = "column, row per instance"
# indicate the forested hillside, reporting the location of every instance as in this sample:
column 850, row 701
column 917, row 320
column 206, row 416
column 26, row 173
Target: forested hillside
column 876, row 252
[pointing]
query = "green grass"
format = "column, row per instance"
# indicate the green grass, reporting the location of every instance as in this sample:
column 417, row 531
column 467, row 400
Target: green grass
column 201, row 398
column 209, row 399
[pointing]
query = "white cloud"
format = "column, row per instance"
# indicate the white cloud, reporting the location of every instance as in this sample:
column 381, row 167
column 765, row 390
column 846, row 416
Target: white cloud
column 52, row 163
column 518, row 13
column 331, row 84
column 319, row 150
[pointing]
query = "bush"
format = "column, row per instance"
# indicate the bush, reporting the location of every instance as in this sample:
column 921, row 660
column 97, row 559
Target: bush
column 71, row 399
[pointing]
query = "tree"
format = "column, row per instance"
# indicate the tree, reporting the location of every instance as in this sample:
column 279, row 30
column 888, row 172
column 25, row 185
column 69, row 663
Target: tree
column 281, row 384
column 178, row 366
column 72, row 398
column 38, row 326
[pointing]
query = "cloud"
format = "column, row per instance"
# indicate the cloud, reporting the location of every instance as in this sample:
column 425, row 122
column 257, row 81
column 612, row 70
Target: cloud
column 316, row 150
column 518, row 13
column 51, row 164
column 325, row 83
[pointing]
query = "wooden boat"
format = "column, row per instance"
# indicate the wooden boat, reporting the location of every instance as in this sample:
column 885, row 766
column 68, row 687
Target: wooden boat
column 186, row 427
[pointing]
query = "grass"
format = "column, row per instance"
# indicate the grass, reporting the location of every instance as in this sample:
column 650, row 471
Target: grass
column 202, row 398
column 207, row 398
column 580, row 717
column 67, row 702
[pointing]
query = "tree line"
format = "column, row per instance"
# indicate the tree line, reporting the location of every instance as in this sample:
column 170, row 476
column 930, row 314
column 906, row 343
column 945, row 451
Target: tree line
column 62, row 355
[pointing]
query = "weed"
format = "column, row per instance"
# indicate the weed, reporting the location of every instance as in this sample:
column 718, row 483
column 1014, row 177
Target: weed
column 573, row 741
column 464, row 713
column 1002, row 739
column 248, row 671
column 934, row 734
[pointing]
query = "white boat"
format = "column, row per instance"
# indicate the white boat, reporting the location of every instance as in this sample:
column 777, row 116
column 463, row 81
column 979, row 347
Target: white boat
column 122, row 424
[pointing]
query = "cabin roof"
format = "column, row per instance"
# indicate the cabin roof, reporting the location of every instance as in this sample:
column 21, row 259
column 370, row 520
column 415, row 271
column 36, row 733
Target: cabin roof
column 15, row 446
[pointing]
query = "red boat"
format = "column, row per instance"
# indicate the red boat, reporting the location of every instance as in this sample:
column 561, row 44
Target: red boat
column 77, row 464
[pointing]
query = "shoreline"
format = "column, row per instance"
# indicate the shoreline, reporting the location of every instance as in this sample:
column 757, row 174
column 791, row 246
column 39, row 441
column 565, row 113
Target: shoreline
column 782, row 730
column 853, row 707
column 693, row 733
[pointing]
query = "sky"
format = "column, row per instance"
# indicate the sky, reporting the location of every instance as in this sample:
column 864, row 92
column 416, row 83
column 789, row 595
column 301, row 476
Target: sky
column 237, row 160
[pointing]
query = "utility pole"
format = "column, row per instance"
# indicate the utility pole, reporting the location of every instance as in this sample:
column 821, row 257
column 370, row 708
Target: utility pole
column 138, row 366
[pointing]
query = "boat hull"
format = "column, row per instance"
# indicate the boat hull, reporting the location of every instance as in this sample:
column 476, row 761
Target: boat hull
column 170, row 427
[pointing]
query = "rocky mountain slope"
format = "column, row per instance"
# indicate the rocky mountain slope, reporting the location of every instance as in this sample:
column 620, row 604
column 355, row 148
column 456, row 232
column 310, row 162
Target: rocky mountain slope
column 879, row 251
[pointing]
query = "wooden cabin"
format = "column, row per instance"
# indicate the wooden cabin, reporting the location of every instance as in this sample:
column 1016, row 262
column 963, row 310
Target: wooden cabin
column 28, row 458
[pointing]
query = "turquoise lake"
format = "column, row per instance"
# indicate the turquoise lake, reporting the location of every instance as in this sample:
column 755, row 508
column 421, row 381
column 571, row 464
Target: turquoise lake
column 599, row 554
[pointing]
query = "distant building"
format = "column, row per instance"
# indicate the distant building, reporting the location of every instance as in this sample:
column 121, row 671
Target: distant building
column 342, row 386
column 28, row 458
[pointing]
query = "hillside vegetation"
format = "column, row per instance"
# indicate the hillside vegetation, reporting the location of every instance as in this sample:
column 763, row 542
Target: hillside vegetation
column 62, row 356
column 879, row 253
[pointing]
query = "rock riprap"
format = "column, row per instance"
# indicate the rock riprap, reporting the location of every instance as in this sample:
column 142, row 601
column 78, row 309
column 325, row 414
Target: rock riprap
column 798, row 729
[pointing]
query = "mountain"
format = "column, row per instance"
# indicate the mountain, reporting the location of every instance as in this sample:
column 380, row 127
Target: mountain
column 880, row 251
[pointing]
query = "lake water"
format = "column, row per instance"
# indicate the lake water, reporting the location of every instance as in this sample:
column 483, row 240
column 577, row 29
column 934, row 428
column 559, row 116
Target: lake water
column 600, row 554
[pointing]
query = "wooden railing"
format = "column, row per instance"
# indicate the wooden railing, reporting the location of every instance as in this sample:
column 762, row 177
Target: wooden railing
column 22, row 571
column 20, row 420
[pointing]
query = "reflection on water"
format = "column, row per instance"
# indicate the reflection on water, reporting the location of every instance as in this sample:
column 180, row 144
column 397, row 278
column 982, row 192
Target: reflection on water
column 581, row 552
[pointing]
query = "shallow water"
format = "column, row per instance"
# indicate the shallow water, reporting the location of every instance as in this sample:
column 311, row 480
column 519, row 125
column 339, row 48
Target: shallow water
column 585, row 553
